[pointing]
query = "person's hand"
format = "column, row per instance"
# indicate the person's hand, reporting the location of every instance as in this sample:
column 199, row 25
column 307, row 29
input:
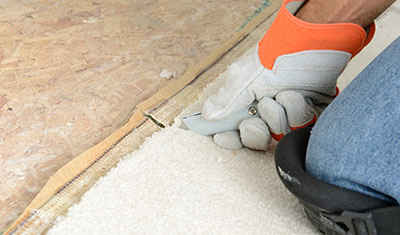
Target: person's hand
column 292, row 73
column 285, row 102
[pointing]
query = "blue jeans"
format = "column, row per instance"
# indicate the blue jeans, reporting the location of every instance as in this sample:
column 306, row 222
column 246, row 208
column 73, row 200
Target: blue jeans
column 355, row 144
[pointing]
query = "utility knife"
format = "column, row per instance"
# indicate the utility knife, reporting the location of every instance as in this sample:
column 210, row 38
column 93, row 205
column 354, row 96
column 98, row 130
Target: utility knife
column 195, row 123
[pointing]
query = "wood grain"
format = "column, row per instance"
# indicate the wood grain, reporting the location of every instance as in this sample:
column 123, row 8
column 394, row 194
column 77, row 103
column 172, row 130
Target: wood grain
column 69, row 187
column 72, row 72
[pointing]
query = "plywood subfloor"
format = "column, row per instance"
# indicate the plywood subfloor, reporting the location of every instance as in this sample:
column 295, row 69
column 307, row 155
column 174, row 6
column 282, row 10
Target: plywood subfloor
column 71, row 73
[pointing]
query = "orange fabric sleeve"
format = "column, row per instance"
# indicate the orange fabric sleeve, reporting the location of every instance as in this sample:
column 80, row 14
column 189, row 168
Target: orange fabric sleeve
column 289, row 34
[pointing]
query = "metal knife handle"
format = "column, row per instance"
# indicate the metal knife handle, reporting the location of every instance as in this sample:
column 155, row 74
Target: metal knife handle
column 194, row 122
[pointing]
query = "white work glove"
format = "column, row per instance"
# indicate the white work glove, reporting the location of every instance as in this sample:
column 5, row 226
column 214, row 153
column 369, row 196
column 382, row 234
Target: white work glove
column 292, row 88
column 285, row 103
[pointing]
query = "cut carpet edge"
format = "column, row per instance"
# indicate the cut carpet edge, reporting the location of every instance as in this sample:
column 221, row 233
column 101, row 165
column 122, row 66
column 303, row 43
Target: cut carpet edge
column 285, row 210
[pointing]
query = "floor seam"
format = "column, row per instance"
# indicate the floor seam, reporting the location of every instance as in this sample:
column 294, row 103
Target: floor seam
column 153, row 120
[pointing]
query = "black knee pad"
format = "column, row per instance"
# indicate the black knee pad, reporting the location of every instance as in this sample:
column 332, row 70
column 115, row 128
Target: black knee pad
column 333, row 210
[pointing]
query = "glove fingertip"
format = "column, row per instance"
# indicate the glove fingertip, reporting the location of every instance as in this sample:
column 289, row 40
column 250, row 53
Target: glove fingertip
column 313, row 121
column 228, row 140
column 255, row 134
column 300, row 113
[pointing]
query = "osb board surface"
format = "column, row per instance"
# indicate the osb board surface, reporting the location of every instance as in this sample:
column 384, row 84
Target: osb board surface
column 41, row 219
column 71, row 72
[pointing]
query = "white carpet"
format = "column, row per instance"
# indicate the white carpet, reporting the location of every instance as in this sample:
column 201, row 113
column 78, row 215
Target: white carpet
column 179, row 182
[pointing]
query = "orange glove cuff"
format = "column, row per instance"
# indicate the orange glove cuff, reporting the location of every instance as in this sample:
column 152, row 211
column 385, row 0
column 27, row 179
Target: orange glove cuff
column 289, row 34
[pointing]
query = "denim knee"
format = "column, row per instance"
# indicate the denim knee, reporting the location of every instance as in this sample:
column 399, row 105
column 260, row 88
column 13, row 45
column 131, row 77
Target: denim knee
column 355, row 144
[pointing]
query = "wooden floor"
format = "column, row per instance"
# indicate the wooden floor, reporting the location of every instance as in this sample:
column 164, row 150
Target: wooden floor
column 71, row 72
